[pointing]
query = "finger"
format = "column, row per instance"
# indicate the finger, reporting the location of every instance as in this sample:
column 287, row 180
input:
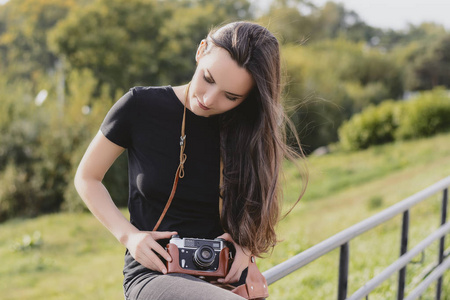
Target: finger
column 155, row 266
column 158, row 263
column 145, row 255
column 145, row 259
column 228, row 279
column 156, row 247
column 151, row 261
column 232, row 275
column 227, row 237
column 146, row 262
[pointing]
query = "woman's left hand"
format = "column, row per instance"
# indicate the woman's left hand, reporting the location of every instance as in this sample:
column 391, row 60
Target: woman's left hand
column 241, row 260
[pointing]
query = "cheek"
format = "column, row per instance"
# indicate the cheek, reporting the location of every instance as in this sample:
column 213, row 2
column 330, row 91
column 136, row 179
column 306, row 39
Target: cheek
column 198, row 85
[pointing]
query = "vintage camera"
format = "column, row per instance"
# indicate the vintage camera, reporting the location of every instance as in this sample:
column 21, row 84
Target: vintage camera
column 199, row 257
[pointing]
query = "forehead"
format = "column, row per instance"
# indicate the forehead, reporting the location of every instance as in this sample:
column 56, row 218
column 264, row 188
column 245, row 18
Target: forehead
column 227, row 74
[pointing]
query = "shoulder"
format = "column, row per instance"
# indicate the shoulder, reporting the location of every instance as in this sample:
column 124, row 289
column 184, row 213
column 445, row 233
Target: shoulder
column 149, row 92
column 155, row 98
column 140, row 98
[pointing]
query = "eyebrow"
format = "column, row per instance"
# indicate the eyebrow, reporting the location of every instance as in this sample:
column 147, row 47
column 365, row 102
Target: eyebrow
column 225, row 91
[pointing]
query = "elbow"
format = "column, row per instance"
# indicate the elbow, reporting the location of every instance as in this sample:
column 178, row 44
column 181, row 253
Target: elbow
column 83, row 177
column 78, row 180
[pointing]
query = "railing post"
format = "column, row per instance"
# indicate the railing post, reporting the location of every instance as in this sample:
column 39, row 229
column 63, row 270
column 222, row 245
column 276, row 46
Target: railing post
column 343, row 271
column 403, row 249
column 442, row 241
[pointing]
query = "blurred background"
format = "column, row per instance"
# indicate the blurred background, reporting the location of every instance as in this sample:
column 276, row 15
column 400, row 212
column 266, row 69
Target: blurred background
column 366, row 84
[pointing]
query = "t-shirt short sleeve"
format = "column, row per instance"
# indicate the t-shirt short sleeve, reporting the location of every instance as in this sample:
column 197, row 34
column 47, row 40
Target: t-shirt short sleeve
column 116, row 126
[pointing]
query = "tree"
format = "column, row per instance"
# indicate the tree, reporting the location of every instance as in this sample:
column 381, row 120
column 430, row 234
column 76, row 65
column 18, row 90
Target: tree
column 298, row 21
column 24, row 26
column 139, row 41
column 331, row 80
column 288, row 23
column 430, row 65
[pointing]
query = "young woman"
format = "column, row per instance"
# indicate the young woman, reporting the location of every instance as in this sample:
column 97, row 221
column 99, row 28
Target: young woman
column 233, row 118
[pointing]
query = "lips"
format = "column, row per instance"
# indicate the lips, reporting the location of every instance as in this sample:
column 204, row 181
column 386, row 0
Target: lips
column 201, row 105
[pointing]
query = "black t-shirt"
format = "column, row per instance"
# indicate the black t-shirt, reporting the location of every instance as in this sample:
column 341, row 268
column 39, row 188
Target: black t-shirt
column 147, row 121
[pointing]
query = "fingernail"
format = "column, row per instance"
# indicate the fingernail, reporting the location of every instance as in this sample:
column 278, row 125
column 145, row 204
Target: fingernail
column 164, row 271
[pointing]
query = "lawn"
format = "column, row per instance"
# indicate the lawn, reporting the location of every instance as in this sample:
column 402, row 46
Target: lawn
column 71, row 256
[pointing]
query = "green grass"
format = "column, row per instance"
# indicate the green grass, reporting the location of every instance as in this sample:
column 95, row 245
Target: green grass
column 341, row 192
column 79, row 259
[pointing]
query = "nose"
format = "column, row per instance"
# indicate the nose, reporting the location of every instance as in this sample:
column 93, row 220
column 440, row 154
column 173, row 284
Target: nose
column 210, row 97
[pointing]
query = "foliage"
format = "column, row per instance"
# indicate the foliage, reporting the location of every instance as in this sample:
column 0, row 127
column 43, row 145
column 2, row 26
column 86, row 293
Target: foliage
column 429, row 65
column 42, row 144
column 138, row 42
column 375, row 202
column 20, row 125
column 424, row 116
column 299, row 21
column 85, row 54
column 423, row 52
column 392, row 40
column 105, row 47
column 375, row 125
column 116, row 39
column 329, row 81
column 24, row 25
column 39, row 144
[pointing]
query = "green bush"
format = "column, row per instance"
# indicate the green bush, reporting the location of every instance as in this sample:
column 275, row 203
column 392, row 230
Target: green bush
column 423, row 116
column 375, row 202
column 21, row 123
column 42, row 145
column 375, row 125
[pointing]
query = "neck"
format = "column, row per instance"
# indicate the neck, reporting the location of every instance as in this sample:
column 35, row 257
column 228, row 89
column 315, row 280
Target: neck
column 180, row 92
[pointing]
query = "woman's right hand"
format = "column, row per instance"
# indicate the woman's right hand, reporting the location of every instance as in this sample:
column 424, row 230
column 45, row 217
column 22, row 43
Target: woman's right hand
column 143, row 246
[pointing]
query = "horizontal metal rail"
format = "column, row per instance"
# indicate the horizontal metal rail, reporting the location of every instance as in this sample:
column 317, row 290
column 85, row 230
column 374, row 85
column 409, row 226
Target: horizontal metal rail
column 285, row 268
column 400, row 263
column 438, row 272
column 427, row 270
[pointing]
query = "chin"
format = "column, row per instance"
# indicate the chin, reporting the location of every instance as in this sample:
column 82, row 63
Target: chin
column 201, row 112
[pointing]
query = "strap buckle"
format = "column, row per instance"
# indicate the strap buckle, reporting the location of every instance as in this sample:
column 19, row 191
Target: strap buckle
column 182, row 138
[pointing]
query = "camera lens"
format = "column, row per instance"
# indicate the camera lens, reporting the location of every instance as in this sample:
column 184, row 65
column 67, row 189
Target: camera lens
column 204, row 256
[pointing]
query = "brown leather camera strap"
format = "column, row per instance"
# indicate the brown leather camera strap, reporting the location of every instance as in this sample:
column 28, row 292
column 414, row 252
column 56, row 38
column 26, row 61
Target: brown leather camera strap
column 220, row 188
column 255, row 286
column 183, row 157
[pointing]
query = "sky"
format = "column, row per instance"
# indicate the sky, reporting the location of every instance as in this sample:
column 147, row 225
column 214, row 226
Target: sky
column 395, row 14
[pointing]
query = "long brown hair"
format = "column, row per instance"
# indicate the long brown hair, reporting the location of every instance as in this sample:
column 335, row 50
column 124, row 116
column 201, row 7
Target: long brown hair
column 253, row 139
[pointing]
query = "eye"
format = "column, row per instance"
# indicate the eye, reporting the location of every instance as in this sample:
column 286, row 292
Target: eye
column 207, row 79
column 231, row 98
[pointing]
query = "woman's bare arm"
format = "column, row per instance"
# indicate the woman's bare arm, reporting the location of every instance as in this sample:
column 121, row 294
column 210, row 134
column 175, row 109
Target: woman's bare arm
column 142, row 245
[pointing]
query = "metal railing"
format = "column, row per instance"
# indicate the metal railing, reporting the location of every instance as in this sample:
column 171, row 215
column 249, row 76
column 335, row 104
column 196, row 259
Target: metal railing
column 343, row 238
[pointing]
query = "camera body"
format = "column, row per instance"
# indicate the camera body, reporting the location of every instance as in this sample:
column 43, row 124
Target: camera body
column 199, row 257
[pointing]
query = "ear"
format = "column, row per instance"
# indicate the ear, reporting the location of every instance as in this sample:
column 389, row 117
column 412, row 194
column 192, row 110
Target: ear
column 201, row 49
